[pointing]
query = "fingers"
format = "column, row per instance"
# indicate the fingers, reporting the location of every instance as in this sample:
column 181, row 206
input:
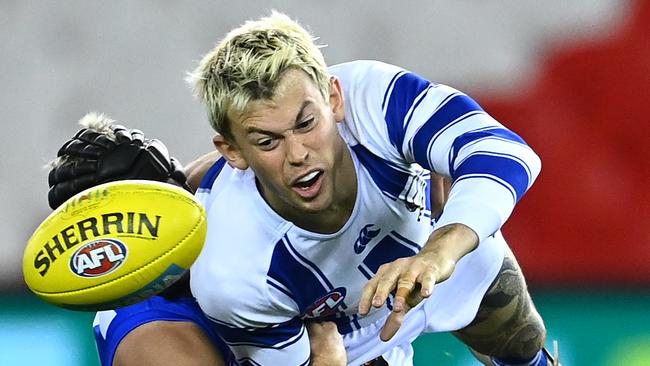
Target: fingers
column 412, row 279
column 125, row 135
column 80, row 148
column 407, row 289
column 392, row 325
column 159, row 151
column 178, row 173
column 137, row 136
column 71, row 169
column 366, row 296
column 378, row 288
column 122, row 134
column 91, row 137
column 405, row 285
column 60, row 192
column 426, row 281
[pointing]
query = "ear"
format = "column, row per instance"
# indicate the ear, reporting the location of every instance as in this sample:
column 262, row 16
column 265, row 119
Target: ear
column 230, row 151
column 337, row 102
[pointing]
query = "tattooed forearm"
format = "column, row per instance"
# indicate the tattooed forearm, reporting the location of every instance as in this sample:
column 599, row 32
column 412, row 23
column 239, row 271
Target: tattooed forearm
column 507, row 323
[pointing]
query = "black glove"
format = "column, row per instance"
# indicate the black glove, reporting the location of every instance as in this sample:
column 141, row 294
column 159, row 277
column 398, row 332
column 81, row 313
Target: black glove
column 93, row 157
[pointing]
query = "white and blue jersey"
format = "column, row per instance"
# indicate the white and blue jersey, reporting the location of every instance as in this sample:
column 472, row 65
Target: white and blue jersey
column 259, row 277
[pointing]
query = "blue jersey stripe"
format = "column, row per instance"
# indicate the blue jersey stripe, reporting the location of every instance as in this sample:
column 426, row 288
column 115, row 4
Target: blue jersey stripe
column 355, row 321
column 271, row 282
column 474, row 136
column 212, row 174
column 415, row 106
column 314, row 268
column 451, row 110
column 306, row 285
column 385, row 251
column 407, row 241
column 390, row 179
column 503, row 167
column 300, row 281
column 406, row 90
column 365, row 272
column 504, row 155
column 277, row 336
column 390, row 85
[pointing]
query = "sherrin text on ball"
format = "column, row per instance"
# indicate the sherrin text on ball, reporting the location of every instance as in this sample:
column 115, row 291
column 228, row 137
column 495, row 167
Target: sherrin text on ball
column 114, row 244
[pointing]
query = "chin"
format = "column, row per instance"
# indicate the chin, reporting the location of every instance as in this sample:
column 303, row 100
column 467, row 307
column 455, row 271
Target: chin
column 312, row 207
column 318, row 204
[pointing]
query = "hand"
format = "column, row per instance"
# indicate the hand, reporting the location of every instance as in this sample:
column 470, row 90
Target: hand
column 414, row 277
column 104, row 152
column 326, row 344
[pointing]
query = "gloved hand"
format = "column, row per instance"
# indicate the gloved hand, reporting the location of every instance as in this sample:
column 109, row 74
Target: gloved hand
column 105, row 152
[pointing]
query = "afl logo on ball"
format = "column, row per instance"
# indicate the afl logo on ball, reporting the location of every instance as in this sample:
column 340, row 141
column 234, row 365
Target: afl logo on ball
column 98, row 258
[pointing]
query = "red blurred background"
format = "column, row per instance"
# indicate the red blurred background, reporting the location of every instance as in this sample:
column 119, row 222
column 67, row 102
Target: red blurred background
column 587, row 219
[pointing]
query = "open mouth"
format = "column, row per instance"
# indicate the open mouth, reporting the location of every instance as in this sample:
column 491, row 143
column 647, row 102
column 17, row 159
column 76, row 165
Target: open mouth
column 309, row 185
column 308, row 180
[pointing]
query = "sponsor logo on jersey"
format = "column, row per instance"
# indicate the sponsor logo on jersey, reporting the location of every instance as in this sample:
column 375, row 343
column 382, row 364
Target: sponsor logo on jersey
column 326, row 305
column 365, row 236
column 98, row 258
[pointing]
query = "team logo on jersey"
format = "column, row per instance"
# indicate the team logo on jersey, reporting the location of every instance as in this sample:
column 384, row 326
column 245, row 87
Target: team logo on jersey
column 326, row 305
column 365, row 236
column 98, row 258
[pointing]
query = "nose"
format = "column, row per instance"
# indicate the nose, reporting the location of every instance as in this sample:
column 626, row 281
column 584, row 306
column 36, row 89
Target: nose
column 297, row 152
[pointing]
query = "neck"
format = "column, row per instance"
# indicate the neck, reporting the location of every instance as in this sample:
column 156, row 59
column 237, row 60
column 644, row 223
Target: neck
column 332, row 219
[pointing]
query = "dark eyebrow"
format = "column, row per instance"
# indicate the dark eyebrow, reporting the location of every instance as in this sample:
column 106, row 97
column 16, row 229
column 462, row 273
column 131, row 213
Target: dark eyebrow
column 250, row 130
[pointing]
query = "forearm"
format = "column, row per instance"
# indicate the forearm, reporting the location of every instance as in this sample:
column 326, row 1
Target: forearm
column 326, row 360
column 326, row 344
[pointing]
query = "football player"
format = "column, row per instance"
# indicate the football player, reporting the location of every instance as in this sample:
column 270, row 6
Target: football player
column 319, row 208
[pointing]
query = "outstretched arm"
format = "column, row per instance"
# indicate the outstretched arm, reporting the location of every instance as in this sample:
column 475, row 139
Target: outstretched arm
column 490, row 168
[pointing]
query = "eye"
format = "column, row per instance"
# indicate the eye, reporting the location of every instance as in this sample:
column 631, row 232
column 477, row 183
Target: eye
column 265, row 143
column 306, row 124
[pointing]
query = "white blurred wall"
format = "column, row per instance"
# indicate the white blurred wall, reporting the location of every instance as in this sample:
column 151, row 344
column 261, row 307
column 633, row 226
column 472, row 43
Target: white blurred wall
column 59, row 60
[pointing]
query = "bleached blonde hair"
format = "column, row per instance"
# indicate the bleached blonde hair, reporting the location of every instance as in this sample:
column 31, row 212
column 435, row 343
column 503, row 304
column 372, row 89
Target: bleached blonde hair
column 249, row 62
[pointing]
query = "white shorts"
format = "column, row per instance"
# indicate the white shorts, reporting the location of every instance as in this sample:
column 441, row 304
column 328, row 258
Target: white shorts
column 452, row 306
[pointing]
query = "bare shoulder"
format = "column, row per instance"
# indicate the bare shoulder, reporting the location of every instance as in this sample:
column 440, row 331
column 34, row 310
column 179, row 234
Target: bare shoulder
column 197, row 168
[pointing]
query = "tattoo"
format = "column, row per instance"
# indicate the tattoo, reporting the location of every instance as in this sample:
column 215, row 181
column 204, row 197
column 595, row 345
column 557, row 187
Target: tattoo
column 507, row 324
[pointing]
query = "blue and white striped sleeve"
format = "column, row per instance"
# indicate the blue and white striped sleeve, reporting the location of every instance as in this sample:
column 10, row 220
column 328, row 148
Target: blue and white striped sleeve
column 448, row 133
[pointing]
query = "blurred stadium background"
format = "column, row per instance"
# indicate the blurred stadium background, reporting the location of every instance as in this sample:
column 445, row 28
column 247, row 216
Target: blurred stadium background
column 571, row 77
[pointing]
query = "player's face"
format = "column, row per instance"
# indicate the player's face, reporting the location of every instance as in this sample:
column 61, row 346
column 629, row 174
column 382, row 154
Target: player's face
column 292, row 144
